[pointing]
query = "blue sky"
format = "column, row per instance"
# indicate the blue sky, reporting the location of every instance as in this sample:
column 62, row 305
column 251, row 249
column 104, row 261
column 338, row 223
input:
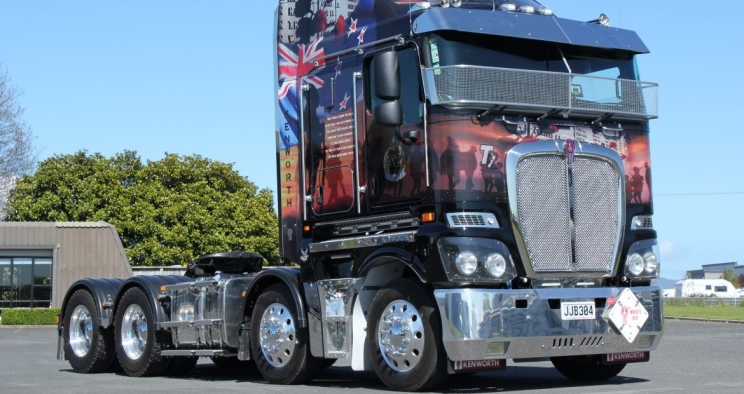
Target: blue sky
column 195, row 77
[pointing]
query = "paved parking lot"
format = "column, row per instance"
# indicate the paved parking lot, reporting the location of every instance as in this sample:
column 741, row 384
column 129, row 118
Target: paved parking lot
column 692, row 357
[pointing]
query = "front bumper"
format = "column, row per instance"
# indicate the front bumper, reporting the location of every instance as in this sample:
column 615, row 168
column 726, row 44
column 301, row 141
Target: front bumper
column 480, row 324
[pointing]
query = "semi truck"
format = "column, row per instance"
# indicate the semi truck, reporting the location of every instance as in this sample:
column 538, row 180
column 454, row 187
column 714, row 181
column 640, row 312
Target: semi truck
column 462, row 184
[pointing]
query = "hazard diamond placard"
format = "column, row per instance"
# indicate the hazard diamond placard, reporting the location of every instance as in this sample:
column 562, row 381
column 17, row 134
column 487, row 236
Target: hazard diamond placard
column 627, row 314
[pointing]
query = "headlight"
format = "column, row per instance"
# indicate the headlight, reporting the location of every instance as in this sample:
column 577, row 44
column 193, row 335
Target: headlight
column 185, row 312
column 643, row 260
column 649, row 261
column 495, row 265
column 466, row 262
column 635, row 264
column 468, row 259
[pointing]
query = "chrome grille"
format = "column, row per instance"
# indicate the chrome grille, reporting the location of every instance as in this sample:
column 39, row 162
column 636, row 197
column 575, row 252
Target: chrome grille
column 567, row 218
column 595, row 213
column 542, row 197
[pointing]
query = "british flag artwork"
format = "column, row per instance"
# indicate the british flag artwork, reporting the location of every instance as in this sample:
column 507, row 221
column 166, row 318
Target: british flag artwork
column 298, row 64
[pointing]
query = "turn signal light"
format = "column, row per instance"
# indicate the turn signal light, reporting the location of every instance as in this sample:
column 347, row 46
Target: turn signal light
column 428, row 217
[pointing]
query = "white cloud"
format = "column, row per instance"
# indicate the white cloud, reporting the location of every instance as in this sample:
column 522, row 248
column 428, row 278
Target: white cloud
column 670, row 249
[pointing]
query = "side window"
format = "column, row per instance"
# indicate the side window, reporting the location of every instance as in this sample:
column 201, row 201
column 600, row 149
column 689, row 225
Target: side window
column 410, row 90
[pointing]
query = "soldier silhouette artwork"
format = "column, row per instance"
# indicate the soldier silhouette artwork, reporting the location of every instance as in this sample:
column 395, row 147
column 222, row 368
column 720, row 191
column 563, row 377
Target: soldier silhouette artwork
column 636, row 186
column 452, row 162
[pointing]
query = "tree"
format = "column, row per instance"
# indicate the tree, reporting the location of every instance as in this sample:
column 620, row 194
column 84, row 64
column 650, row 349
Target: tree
column 16, row 148
column 741, row 280
column 731, row 277
column 168, row 211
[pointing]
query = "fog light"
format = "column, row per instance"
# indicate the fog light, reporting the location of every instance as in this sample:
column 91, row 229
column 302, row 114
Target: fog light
column 186, row 312
column 495, row 265
column 466, row 262
column 644, row 341
column 635, row 264
column 495, row 348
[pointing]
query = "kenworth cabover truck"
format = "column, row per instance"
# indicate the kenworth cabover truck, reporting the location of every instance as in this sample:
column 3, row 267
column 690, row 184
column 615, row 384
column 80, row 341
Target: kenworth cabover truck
column 462, row 184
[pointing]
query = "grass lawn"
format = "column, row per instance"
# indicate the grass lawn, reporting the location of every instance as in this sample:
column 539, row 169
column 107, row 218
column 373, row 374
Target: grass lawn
column 717, row 312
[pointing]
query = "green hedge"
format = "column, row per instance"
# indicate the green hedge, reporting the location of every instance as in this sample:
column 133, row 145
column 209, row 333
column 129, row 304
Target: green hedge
column 30, row 317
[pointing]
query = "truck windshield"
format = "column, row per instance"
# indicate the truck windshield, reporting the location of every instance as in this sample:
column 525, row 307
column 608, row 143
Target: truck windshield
column 468, row 69
column 452, row 48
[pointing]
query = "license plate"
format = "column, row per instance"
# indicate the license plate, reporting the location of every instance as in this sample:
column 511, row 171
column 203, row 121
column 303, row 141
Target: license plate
column 577, row 310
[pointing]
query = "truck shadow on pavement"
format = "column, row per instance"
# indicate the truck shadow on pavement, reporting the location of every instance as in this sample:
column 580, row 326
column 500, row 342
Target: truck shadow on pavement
column 515, row 378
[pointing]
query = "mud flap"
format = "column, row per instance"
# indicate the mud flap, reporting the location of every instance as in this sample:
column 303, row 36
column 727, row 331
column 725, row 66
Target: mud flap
column 244, row 342
column 468, row 366
column 60, row 347
column 625, row 357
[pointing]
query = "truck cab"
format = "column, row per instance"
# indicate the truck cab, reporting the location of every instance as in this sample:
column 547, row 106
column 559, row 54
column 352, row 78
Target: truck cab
column 492, row 153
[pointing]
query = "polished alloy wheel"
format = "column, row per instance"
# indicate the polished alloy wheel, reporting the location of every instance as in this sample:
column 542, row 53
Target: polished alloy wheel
column 277, row 335
column 401, row 336
column 134, row 332
column 81, row 330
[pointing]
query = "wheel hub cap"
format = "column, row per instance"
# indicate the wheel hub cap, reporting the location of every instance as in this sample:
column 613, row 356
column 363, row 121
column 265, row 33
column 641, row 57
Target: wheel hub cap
column 81, row 331
column 134, row 332
column 401, row 336
column 277, row 335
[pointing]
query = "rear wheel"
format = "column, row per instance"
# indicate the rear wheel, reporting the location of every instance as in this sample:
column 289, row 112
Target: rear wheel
column 404, row 332
column 137, row 345
column 278, row 346
column 585, row 368
column 88, row 347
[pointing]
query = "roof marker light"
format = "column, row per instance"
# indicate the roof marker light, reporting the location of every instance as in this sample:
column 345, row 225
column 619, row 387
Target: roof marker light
column 456, row 3
column 527, row 9
column 602, row 20
column 508, row 7
column 445, row 3
column 424, row 5
column 545, row 11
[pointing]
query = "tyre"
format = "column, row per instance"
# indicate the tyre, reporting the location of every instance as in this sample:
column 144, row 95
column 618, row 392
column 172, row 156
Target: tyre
column 87, row 347
column 585, row 368
column 137, row 344
column 280, row 348
column 404, row 338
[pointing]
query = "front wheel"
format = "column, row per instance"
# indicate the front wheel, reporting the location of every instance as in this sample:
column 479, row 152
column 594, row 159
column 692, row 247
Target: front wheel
column 404, row 340
column 136, row 341
column 88, row 348
column 278, row 346
column 585, row 368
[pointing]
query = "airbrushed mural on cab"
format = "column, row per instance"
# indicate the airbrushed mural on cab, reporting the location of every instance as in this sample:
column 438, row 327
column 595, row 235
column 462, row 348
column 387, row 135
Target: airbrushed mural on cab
column 308, row 31
column 469, row 157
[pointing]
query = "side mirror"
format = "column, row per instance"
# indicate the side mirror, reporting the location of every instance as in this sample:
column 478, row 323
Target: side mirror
column 387, row 76
column 389, row 113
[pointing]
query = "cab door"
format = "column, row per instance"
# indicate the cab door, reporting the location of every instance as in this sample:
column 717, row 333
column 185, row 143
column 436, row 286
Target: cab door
column 331, row 158
column 395, row 165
